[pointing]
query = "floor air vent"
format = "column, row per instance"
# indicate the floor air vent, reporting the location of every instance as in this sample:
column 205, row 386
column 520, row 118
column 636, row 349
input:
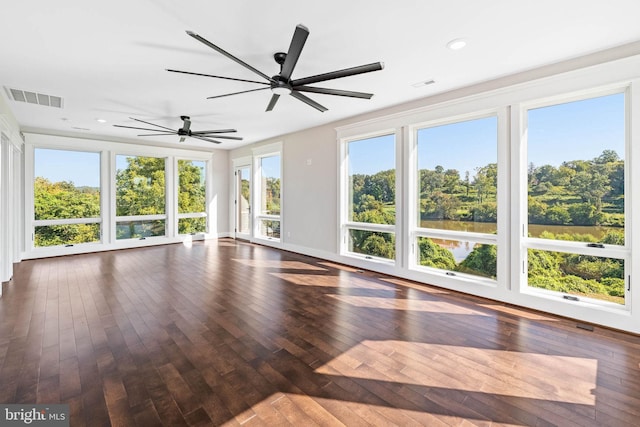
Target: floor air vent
column 34, row 97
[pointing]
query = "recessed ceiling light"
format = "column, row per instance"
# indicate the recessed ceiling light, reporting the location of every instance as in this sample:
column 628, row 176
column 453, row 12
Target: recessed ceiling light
column 456, row 44
column 101, row 121
column 424, row 83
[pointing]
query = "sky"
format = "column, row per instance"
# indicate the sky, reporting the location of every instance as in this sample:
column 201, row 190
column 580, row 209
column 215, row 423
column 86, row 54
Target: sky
column 81, row 168
column 271, row 166
column 578, row 130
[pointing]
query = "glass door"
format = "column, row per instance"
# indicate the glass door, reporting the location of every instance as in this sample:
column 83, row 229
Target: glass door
column 243, row 202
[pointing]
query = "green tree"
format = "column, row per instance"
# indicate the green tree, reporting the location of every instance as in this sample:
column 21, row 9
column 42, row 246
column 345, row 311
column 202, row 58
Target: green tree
column 485, row 212
column 481, row 261
column 583, row 214
column 191, row 196
column 451, row 180
column 486, row 181
column 140, row 190
column 557, row 215
column 63, row 200
column 607, row 156
column 430, row 181
column 591, row 186
column 140, row 187
column 432, row 255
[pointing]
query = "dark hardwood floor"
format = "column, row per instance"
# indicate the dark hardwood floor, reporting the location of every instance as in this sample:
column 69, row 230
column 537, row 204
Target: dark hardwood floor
column 229, row 333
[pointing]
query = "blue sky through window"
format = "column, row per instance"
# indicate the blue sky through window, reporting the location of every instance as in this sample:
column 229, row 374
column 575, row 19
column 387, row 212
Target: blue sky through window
column 81, row 168
column 578, row 130
column 463, row 146
column 270, row 166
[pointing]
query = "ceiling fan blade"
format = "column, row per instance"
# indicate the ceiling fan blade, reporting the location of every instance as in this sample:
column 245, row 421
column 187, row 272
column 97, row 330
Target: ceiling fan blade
column 157, row 134
column 213, row 131
column 376, row 66
column 295, row 48
column 337, row 92
column 237, row 138
column 272, row 102
column 152, row 124
column 308, row 101
column 169, row 132
column 218, row 77
column 236, row 93
column 206, row 139
column 227, row 54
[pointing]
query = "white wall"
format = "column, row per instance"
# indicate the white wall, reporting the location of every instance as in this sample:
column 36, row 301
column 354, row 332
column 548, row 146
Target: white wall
column 221, row 187
column 11, row 218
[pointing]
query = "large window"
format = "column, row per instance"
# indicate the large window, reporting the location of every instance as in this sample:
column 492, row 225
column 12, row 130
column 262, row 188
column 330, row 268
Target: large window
column 140, row 197
column 192, row 215
column 371, row 192
column 66, row 197
column 457, row 188
column 576, row 198
column 269, row 187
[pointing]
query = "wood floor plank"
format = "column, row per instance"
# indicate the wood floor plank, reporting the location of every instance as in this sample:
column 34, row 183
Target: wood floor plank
column 228, row 333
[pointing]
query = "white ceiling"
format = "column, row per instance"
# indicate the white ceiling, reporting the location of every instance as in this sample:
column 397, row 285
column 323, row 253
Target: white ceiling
column 107, row 59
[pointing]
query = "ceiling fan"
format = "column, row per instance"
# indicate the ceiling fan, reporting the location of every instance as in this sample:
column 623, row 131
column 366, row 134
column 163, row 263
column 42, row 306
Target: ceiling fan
column 185, row 131
column 281, row 83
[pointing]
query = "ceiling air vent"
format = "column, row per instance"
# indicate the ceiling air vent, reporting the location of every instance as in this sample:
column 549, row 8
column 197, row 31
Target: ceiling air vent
column 34, row 98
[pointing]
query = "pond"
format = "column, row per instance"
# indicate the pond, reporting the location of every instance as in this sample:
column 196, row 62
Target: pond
column 461, row 249
column 534, row 229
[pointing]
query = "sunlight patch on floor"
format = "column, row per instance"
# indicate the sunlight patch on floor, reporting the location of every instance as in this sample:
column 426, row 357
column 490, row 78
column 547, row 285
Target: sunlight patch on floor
column 300, row 409
column 329, row 281
column 384, row 415
column 187, row 241
column 507, row 373
column 520, row 312
column 407, row 304
column 274, row 263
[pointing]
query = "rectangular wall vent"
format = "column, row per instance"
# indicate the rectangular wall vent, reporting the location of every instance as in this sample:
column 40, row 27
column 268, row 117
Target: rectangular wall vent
column 34, row 98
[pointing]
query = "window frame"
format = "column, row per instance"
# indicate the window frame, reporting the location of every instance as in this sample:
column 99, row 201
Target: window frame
column 257, row 216
column 345, row 204
column 176, row 185
column 169, row 177
column 499, row 239
column 30, row 202
column 523, row 242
